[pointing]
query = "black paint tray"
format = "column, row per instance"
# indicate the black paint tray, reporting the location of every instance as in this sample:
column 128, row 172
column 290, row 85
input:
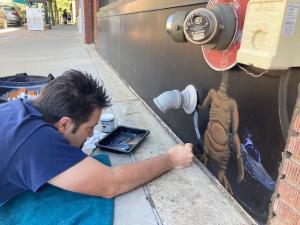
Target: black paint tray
column 122, row 139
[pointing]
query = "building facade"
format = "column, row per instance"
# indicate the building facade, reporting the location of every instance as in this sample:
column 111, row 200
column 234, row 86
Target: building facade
column 131, row 35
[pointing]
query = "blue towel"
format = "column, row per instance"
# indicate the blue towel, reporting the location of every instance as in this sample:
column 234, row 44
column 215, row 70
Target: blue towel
column 54, row 206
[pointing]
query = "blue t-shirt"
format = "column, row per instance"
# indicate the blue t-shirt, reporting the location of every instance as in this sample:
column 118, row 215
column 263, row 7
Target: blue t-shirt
column 31, row 150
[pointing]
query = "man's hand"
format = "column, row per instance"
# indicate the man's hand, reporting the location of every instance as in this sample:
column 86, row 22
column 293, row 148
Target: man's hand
column 181, row 155
column 94, row 178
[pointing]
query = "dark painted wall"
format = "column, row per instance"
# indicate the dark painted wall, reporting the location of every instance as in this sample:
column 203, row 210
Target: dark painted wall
column 138, row 47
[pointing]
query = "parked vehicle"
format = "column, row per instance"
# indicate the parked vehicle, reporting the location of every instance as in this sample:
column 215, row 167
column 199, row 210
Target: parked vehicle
column 3, row 22
column 22, row 12
column 12, row 15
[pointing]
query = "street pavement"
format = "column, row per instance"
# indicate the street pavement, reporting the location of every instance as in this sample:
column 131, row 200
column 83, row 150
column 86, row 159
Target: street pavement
column 40, row 53
column 189, row 196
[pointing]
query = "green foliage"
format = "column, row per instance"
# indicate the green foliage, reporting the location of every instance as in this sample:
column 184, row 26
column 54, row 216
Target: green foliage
column 61, row 5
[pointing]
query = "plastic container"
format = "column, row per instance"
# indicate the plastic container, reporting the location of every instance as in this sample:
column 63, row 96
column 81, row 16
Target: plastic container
column 271, row 34
column 22, row 86
column 123, row 139
column 107, row 122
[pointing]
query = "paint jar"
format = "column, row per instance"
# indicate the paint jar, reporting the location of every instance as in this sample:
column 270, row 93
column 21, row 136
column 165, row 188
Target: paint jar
column 107, row 122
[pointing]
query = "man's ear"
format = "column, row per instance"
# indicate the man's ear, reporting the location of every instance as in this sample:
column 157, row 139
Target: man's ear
column 64, row 124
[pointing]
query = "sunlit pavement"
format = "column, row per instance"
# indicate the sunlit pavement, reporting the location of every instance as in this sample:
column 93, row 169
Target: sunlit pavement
column 42, row 52
column 10, row 29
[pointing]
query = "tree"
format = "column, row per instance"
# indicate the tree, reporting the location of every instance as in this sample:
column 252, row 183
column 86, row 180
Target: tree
column 61, row 5
column 51, row 12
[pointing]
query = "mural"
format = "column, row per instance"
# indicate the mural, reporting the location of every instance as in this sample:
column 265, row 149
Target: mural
column 222, row 125
column 221, row 140
column 256, row 105
column 236, row 163
column 253, row 166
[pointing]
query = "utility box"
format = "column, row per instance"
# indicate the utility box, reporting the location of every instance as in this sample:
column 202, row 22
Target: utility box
column 271, row 35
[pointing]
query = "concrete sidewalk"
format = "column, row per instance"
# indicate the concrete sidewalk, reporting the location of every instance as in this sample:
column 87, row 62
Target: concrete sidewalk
column 182, row 197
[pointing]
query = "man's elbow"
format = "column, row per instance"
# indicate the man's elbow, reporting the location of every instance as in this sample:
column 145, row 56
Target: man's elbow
column 110, row 190
column 109, row 193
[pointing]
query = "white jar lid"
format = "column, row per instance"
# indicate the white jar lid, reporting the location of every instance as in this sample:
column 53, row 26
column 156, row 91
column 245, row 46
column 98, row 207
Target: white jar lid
column 107, row 117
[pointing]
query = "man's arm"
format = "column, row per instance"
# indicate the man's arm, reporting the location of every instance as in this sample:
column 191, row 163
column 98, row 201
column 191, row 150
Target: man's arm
column 93, row 178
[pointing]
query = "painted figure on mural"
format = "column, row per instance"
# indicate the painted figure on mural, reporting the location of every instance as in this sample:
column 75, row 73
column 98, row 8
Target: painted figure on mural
column 223, row 122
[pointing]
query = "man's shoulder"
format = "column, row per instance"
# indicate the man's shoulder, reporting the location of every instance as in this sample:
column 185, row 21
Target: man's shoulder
column 19, row 116
column 18, row 108
column 19, row 121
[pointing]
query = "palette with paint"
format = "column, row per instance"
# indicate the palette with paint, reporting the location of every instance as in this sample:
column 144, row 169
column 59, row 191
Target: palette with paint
column 123, row 139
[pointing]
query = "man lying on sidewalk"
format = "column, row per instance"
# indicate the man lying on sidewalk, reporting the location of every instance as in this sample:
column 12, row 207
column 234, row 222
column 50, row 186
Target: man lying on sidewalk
column 41, row 141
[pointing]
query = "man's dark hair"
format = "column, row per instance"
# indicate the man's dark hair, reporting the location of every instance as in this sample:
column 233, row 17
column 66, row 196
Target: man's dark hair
column 74, row 94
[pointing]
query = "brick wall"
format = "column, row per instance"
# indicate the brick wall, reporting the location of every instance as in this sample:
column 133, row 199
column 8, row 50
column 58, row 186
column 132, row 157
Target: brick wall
column 95, row 31
column 88, row 21
column 77, row 8
column 90, row 34
column 285, row 206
